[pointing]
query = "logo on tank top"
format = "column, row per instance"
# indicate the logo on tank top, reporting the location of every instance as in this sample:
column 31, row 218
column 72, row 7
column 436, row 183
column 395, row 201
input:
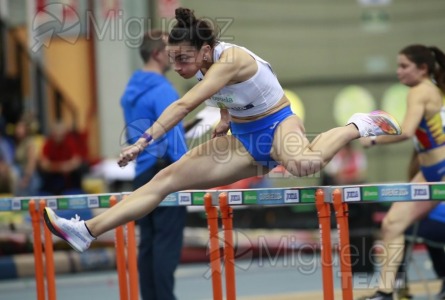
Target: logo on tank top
column 221, row 98
column 248, row 106
column 221, row 105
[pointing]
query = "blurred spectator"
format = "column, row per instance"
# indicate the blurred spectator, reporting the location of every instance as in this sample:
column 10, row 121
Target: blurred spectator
column 25, row 160
column 6, row 177
column 6, row 174
column 80, row 140
column 60, row 164
column 2, row 121
column 6, row 147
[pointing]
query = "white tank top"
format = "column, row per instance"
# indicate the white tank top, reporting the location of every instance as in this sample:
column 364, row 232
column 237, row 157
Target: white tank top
column 251, row 97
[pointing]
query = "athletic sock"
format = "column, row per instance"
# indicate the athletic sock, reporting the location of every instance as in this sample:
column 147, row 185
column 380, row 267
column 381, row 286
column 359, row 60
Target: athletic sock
column 89, row 232
column 354, row 125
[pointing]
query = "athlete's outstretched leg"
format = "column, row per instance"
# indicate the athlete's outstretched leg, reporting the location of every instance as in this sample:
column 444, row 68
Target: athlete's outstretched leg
column 301, row 158
column 220, row 161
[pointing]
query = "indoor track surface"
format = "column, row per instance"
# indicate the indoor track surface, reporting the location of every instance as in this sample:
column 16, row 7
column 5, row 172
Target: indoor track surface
column 260, row 279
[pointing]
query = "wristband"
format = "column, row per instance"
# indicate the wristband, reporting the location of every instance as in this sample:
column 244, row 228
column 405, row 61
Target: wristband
column 373, row 140
column 148, row 138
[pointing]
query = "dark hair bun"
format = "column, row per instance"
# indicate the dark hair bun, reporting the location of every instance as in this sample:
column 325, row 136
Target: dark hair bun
column 185, row 17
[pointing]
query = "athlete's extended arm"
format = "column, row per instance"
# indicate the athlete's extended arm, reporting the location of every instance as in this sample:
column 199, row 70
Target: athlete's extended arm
column 218, row 75
column 414, row 111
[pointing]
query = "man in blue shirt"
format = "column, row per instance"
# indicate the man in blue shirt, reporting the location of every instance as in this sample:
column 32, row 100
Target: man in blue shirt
column 147, row 95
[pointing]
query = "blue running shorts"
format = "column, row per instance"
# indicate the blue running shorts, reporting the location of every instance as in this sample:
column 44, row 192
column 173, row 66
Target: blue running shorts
column 434, row 173
column 257, row 136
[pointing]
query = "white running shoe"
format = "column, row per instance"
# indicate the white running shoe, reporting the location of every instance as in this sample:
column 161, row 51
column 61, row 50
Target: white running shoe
column 375, row 123
column 73, row 231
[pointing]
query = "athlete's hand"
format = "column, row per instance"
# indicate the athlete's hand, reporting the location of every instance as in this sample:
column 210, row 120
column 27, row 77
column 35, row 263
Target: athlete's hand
column 221, row 129
column 129, row 154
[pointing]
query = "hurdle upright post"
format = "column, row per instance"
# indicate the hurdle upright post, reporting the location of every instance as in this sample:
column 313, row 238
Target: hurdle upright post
column 120, row 258
column 342, row 213
column 214, row 252
column 133, row 276
column 229, row 255
column 49, row 257
column 324, row 220
column 37, row 247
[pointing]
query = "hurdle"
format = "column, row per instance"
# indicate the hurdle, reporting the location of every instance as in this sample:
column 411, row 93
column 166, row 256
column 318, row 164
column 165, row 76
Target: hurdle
column 41, row 268
column 342, row 214
column 226, row 199
column 389, row 193
column 214, row 253
column 265, row 197
column 322, row 197
column 324, row 221
column 126, row 261
column 229, row 252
